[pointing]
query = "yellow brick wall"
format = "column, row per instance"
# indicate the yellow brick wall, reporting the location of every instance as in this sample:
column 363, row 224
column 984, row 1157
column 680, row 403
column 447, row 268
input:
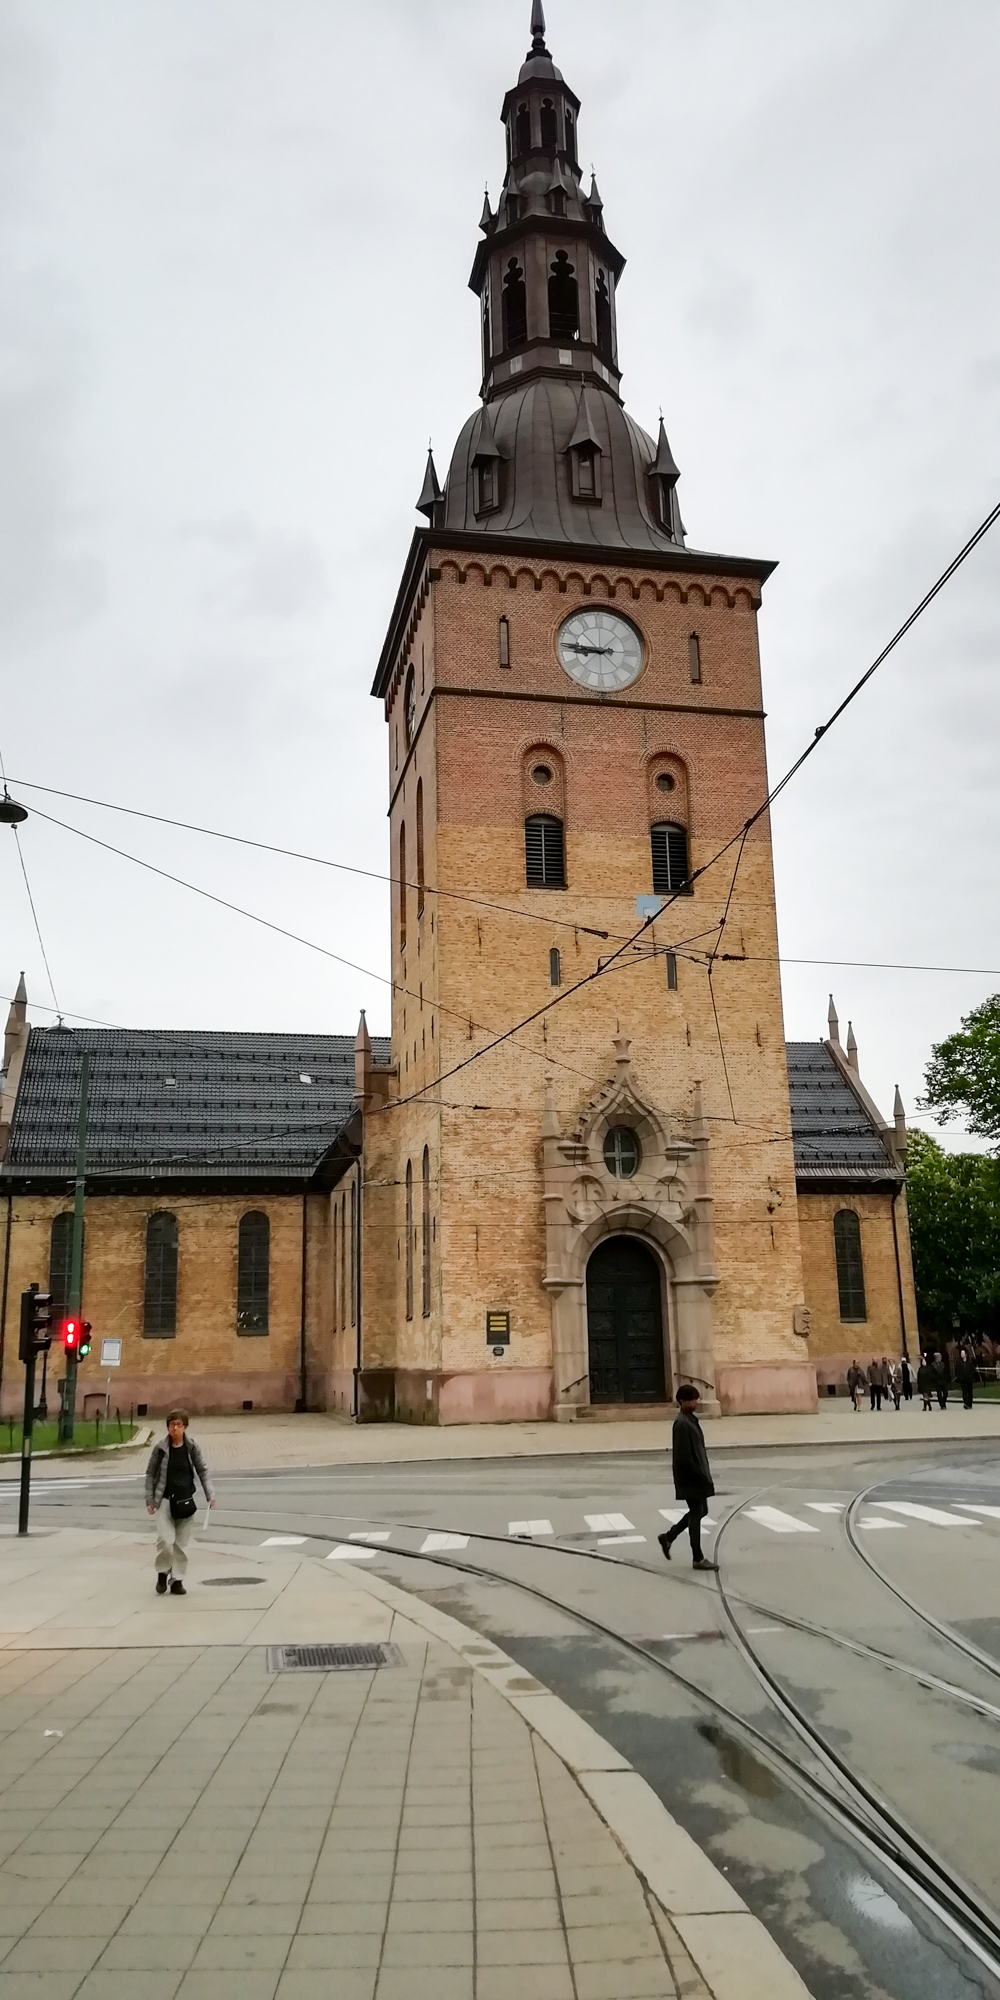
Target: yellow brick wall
column 207, row 1362
column 834, row 1344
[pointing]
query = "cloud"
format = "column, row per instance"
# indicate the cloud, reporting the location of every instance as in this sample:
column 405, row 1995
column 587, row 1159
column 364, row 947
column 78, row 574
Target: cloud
column 252, row 572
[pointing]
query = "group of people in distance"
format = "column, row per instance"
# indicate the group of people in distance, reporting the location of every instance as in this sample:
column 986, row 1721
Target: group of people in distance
column 938, row 1368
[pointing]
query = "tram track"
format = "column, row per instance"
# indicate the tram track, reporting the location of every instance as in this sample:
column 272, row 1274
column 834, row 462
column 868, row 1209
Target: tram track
column 834, row 1789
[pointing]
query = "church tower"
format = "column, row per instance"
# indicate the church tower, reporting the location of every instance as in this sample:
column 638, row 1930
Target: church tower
column 578, row 1184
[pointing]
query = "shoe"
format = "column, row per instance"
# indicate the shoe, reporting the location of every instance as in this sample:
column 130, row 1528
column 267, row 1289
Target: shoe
column 664, row 1541
column 177, row 1588
column 702, row 1563
column 162, row 1580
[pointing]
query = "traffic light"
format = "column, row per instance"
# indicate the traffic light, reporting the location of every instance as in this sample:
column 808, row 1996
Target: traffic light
column 36, row 1323
column 76, row 1336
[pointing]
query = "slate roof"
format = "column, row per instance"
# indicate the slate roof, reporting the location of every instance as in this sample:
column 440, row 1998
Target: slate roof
column 182, row 1105
column 834, row 1139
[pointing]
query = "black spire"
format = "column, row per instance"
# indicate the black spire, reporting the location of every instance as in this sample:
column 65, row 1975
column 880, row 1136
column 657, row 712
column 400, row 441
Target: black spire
column 431, row 495
column 538, row 47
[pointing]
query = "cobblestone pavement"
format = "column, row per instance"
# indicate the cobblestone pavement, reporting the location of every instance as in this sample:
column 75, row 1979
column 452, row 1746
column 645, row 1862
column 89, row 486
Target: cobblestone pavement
column 178, row 1820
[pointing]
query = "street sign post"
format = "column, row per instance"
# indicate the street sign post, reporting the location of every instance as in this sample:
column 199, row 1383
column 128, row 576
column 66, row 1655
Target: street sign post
column 35, row 1338
column 111, row 1357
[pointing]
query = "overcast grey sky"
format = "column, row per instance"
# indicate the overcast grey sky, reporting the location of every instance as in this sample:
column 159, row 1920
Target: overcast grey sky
column 235, row 238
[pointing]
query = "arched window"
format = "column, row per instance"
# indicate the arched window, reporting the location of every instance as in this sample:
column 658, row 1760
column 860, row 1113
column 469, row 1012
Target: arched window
column 564, row 299
column 420, row 847
column 694, row 657
column 522, row 130
column 409, row 1239
column 515, row 306
column 61, row 1258
column 425, row 1234
column 402, row 886
column 159, row 1307
column 602, row 315
column 548, row 125
column 487, row 332
column 253, row 1273
column 850, row 1265
column 571, row 137
column 555, row 967
column 544, row 854
column 670, row 858
column 622, row 1152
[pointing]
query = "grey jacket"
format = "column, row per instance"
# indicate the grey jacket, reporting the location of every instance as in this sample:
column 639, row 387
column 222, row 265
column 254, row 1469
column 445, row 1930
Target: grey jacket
column 159, row 1460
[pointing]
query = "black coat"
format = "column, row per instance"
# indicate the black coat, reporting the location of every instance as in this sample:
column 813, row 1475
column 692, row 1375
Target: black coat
column 692, row 1473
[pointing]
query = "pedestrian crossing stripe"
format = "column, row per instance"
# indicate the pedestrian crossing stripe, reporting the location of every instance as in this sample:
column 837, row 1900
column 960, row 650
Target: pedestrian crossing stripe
column 615, row 1541
column 825, row 1506
column 673, row 1514
column 369, row 1535
column 970, row 1507
column 529, row 1528
column 779, row 1522
column 436, row 1541
column 609, row 1524
column 935, row 1515
column 350, row 1552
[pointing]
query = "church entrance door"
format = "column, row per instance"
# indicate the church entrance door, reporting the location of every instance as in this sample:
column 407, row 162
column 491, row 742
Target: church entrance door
column 625, row 1324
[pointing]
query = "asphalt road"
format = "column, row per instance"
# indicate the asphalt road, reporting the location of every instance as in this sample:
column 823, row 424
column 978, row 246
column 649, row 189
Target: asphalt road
column 788, row 1714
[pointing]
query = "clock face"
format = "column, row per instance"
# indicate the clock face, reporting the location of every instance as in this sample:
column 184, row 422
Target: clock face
column 600, row 650
column 411, row 708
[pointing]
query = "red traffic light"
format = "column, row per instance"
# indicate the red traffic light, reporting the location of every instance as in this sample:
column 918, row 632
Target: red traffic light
column 71, row 1335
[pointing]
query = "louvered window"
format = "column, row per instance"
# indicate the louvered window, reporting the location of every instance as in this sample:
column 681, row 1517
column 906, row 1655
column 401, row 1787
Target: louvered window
column 850, row 1265
column 159, row 1315
column 409, row 1239
column 670, row 858
column 253, row 1274
column 544, row 857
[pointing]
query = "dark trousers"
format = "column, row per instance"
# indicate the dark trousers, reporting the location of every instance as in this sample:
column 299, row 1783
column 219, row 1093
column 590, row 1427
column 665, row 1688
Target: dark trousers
column 942, row 1396
column 967, row 1395
column 877, row 1393
column 907, row 1389
column 692, row 1520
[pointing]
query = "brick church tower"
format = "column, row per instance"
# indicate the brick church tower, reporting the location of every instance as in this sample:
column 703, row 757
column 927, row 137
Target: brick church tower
column 575, row 1195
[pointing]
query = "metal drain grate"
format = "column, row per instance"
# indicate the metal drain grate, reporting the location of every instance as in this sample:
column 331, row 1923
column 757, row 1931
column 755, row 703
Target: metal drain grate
column 330, row 1659
column 219, row 1582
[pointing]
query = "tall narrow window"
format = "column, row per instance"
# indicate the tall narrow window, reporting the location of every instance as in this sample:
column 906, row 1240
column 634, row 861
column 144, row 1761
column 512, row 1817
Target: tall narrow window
column 354, row 1253
column 402, row 886
column 670, row 858
column 420, row 847
column 253, row 1277
column 555, row 967
column 409, row 1239
column 61, row 1258
column 544, row 854
column 850, row 1266
column 548, row 125
column 694, row 657
column 487, row 330
column 515, row 306
column 522, row 138
column 159, row 1311
column 564, row 299
column 504, row 642
column 336, row 1264
column 343, row 1260
column 425, row 1234
column 602, row 314
column 671, row 972
column 571, row 137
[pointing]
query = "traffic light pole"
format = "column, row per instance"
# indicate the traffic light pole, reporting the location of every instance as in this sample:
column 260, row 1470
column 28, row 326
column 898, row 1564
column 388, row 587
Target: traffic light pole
column 68, row 1410
column 26, row 1430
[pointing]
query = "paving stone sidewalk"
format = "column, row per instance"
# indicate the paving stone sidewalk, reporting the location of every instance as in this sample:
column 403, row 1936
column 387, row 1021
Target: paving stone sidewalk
column 178, row 1820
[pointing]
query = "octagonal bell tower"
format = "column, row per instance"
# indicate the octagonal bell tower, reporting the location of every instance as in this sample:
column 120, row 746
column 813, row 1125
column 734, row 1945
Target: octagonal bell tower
column 575, row 729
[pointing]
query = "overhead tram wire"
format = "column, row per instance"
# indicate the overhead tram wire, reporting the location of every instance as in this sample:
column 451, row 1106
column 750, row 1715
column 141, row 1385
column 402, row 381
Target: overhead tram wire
column 315, row 860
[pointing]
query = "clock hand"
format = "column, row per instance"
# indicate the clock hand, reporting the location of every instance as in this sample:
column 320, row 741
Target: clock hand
column 576, row 648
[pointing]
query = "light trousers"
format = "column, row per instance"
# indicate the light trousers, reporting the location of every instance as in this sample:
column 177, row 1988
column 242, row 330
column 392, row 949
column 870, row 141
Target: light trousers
column 172, row 1538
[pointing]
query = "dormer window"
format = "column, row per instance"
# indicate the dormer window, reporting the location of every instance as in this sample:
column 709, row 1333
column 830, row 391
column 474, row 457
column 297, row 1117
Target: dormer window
column 548, row 125
column 585, row 472
column 486, row 481
column 513, row 208
column 557, row 201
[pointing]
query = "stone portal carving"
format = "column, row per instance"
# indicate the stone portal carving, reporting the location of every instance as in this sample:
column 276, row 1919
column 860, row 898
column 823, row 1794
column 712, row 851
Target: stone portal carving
column 667, row 1203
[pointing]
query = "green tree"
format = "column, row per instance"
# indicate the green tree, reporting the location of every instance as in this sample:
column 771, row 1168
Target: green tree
column 963, row 1075
column 954, row 1207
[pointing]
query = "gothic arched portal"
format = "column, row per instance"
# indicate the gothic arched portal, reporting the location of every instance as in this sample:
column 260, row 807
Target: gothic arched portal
column 625, row 1324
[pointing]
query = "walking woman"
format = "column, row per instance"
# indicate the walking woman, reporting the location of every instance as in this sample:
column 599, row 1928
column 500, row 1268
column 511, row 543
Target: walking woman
column 170, row 1496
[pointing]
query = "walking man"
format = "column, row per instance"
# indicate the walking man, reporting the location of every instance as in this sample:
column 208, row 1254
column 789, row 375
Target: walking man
column 855, row 1383
column 693, row 1482
column 965, row 1374
column 942, row 1379
column 876, row 1383
column 906, row 1373
column 895, row 1381
column 170, row 1495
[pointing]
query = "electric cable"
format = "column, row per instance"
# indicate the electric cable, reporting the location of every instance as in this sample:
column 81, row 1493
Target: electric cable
column 38, row 928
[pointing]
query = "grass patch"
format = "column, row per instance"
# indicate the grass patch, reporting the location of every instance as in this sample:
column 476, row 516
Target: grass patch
column 87, row 1436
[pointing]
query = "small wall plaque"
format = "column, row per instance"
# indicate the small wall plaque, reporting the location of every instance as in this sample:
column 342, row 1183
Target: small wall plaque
column 498, row 1329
